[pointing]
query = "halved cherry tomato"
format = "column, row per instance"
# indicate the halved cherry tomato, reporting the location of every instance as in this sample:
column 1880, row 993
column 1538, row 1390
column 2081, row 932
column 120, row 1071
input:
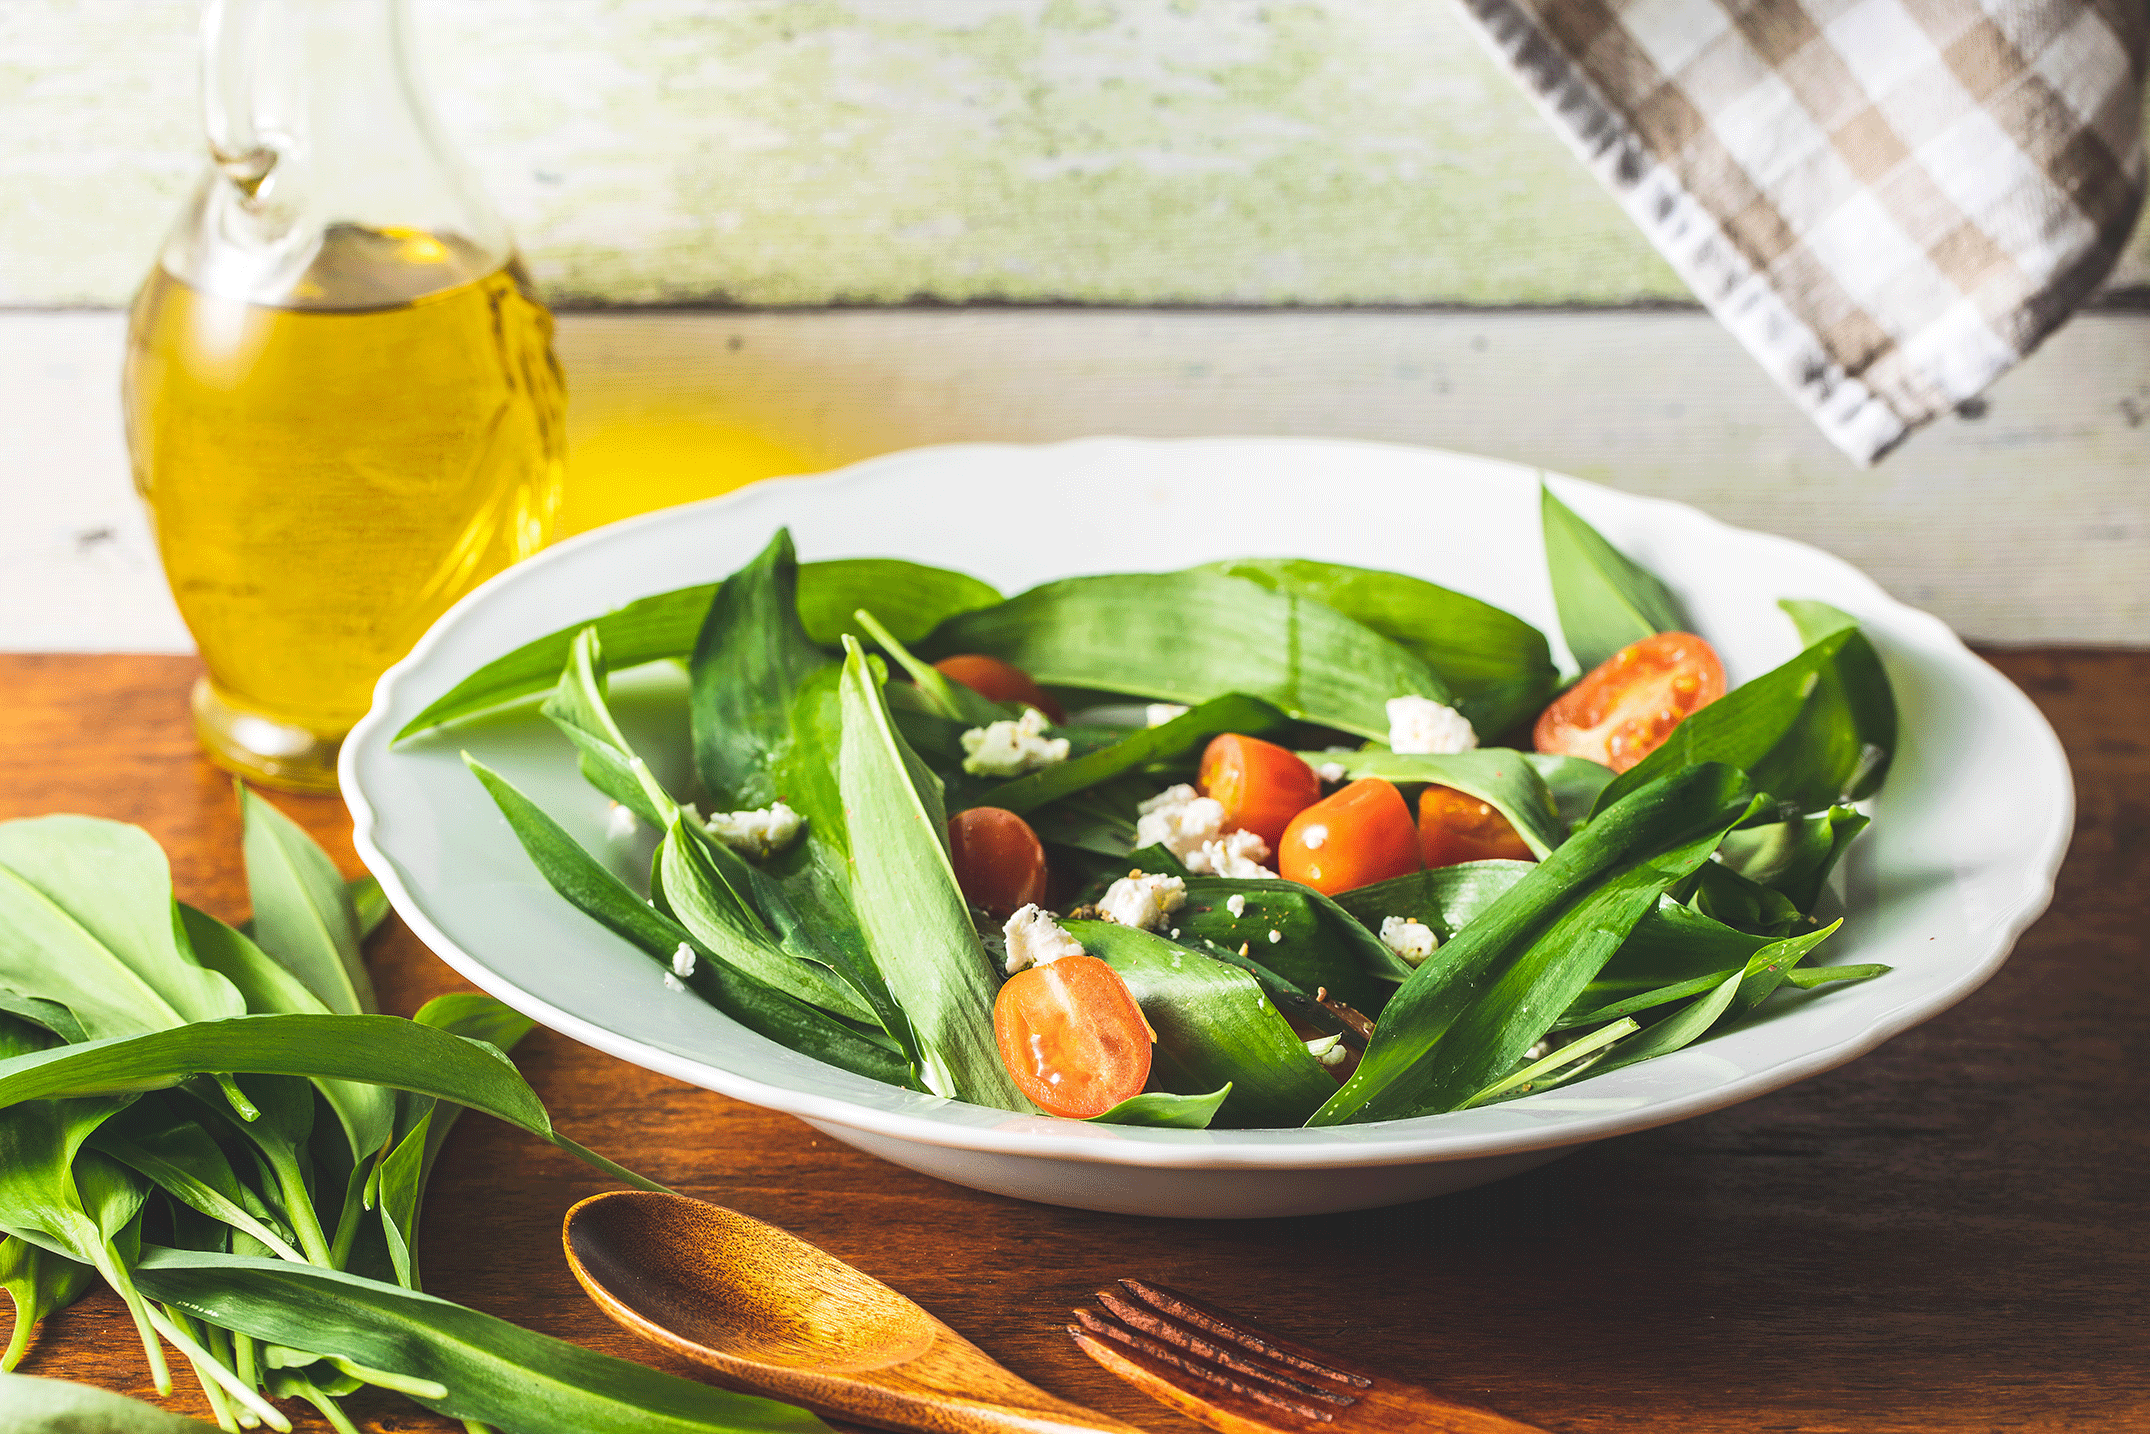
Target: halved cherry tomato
column 1629, row 704
column 998, row 681
column 1260, row 785
column 1361, row 835
column 999, row 861
column 1072, row 1036
column 1455, row 827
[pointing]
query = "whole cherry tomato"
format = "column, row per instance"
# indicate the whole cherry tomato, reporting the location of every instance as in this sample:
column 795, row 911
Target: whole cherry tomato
column 1629, row 704
column 998, row 681
column 1072, row 1036
column 999, row 861
column 1454, row 827
column 1360, row 835
column 1260, row 785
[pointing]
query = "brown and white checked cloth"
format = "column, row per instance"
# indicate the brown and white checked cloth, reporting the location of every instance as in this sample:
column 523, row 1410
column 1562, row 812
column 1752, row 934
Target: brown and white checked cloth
column 1889, row 202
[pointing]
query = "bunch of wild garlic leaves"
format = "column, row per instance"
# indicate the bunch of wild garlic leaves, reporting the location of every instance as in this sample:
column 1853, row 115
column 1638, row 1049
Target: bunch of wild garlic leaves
column 216, row 1122
column 1665, row 902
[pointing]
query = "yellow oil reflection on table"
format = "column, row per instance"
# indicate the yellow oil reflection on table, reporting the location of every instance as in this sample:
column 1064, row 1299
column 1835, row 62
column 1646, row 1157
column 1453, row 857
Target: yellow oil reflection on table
column 629, row 463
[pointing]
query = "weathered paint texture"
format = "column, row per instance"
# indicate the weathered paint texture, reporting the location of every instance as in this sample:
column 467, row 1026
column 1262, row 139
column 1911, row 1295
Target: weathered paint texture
column 800, row 152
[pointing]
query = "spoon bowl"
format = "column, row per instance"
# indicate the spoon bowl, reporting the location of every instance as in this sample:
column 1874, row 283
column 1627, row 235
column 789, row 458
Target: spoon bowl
column 768, row 1313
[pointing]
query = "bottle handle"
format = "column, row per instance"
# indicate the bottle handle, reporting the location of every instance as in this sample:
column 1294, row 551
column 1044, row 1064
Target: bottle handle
column 233, row 49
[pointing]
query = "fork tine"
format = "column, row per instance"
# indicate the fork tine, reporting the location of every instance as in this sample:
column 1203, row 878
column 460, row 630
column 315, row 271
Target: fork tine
column 1200, row 1393
column 1240, row 1376
column 1248, row 1337
column 1175, row 1343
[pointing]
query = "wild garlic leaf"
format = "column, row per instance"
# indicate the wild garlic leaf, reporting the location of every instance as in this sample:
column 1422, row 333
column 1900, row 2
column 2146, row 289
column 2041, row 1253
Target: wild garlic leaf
column 910, row 597
column 1574, row 782
column 1214, row 1027
column 1498, row 667
column 303, row 913
column 1846, row 733
column 578, row 708
column 88, row 907
column 1164, row 1110
column 365, row 1111
column 1444, row 898
column 1606, row 600
column 38, row 1283
column 749, row 660
column 1317, row 943
column 1794, row 857
column 169, row 1147
column 58, row 1406
column 1611, row 871
column 917, row 926
column 1187, row 636
column 1495, row 775
column 491, row 1370
column 598, row 894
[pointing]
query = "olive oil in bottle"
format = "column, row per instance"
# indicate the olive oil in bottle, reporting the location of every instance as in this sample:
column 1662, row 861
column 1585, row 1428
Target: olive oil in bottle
column 327, row 476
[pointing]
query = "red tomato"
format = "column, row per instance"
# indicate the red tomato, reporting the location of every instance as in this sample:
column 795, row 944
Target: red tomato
column 1072, row 1036
column 999, row 861
column 1454, row 827
column 1626, row 708
column 1261, row 786
column 998, row 681
column 1361, row 835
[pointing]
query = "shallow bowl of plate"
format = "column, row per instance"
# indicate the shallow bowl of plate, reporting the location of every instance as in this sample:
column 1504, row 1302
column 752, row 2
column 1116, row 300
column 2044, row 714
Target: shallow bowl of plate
column 1967, row 835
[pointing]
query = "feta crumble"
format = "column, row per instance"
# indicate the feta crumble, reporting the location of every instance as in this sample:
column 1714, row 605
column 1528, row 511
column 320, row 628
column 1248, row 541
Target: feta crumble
column 1330, row 772
column 1011, row 748
column 683, row 961
column 621, row 823
column 760, row 833
column 1035, row 939
column 1236, row 854
column 1329, row 1050
column 1179, row 820
column 1412, row 940
column 1160, row 713
column 1236, row 903
column 1275, row 936
column 1143, row 901
column 673, row 983
column 1420, row 724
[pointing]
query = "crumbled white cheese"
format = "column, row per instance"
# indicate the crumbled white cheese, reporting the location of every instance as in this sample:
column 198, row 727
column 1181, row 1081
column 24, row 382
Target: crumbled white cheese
column 1236, row 903
column 692, row 813
column 1179, row 820
column 1142, row 900
column 1275, row 936
column 1035, row 939
column 683, row 961
column 1329, row 1050
column 673, row 983
column 1162, row 712
column 1412, row 940
column 1235, row 854
column 1313, row 835
column 1011, row 748
column 1420, row 724
column 621, row 824
column 1331, row 772
column 758, row 834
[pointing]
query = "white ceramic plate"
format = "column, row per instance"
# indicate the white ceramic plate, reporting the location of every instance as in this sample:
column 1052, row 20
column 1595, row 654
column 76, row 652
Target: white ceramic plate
column 1961, row 856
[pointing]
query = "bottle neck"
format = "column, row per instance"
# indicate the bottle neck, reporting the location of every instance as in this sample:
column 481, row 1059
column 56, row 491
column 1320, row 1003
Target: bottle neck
column 322, row 139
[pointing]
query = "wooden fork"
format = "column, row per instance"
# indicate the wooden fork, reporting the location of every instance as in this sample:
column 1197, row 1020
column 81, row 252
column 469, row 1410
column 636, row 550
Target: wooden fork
column 1221, row 1371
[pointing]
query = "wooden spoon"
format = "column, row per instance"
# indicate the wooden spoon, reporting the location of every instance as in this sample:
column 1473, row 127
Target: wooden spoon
column 767, row 1313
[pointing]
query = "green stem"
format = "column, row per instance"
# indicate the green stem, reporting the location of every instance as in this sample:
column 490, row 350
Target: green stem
column 307, row 1390
column 1568, row 1054
column 409, row 1384
column 219, row 1406
column 299, row 1209
column 245, row 1360
column 268, row 1413
column 108, row 1264
column 930, row 680
column 18, row 1338
column 347, row 1218
column 618, row 1172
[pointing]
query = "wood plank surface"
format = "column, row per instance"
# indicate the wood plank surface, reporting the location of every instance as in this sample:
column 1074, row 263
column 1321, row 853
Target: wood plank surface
column 1947, row 1235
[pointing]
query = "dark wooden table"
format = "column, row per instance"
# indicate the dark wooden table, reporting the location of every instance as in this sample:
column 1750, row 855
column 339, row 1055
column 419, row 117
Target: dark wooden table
column 1946, row 1235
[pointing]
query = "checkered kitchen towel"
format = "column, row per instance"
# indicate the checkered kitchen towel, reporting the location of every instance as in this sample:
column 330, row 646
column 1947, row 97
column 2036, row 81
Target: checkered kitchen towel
column 1889, row 201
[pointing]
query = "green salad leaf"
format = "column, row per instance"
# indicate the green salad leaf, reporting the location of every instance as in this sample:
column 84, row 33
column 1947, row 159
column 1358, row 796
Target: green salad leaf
column 303, row 912
column 59, row 1406
column 917, row 926
column 1442, row 897
column 1607, row 601
column 1497, row 666
column 749, row 660
column 38, row 1283
column 1164, row 1110
column 1188, row 636
column 912, row 599
column 1794, row 857
column 1316, row 944
column 1488, row 994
